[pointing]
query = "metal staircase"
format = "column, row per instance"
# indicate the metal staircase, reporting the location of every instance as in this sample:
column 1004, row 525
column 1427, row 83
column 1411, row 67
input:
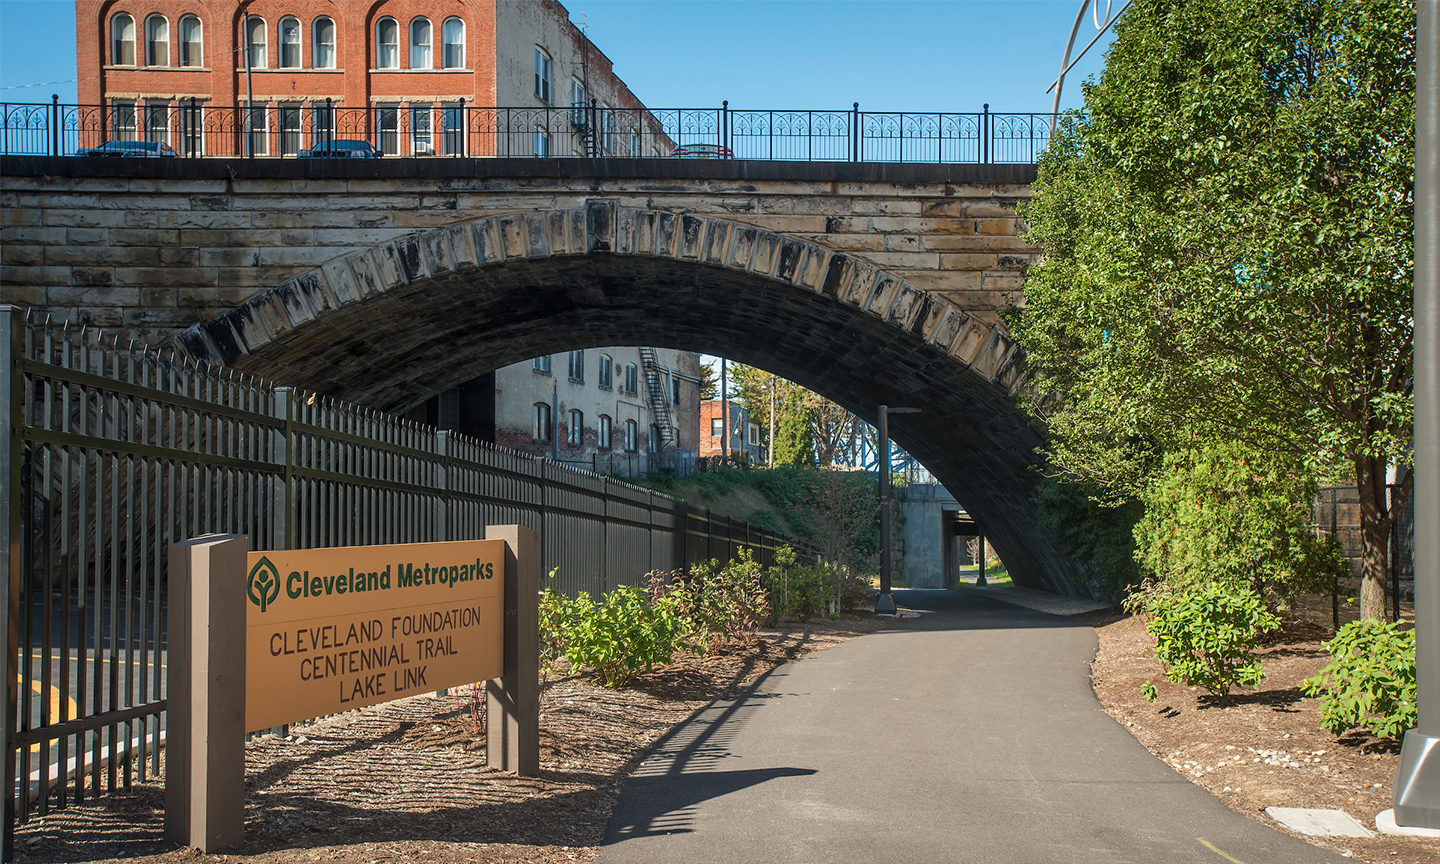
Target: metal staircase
column 659, row 405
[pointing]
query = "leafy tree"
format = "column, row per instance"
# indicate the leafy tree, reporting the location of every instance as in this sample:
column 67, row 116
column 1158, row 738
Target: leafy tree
column 1228, row 248
column 1222, row 514
column 709, row 382
column 794, row 439
column 833, row 430
column 1096, row 532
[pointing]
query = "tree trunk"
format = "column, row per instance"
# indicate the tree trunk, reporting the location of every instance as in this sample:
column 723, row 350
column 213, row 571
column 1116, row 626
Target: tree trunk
column 1375, row 524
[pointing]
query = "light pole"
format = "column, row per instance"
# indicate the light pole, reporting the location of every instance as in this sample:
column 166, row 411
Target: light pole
column 885, row 604
column 1417, row 779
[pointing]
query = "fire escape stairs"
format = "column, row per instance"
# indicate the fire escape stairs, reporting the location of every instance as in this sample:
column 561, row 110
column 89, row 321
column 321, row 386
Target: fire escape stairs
column 659, row 405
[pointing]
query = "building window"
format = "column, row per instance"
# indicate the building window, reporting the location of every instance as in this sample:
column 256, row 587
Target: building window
column 387, row 127
column 289, row 43
column 323, row 55
column 157, row 41
column 542, row 76
column 420, row 43
column 452, row 35
column 634, row 143
column 452, row 128
column 289, row 130
column 577, row 428
column 607, row 123
column 255, row 131
column 541, row 141
column 157, row 122
column 192, row 42
column 754, row 434
column 387, row 44
column 674, row 391
column 717, row 427
column 653, row 445
column 577, row 366
column 632, row 379
column 578, row 100
column 122, row 35
column 607, row 372
column 255, row 39
column 632, row 431
column 190, row 126
column 420, row 132
column 322, row 118
column 541, row 432
column 541, row 364
column 603, row 435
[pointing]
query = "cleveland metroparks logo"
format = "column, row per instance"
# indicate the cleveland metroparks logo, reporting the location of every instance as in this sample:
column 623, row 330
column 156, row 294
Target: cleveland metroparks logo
column 264, row 585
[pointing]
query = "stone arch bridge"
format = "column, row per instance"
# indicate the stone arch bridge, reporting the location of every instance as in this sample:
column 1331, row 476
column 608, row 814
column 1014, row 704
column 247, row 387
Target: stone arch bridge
column 385, row 282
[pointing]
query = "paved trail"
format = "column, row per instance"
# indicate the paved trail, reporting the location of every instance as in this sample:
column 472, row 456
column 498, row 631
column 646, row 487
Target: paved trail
column 970, row 734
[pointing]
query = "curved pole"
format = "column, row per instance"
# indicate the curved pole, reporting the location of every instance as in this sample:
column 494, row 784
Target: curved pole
column 1065, row 63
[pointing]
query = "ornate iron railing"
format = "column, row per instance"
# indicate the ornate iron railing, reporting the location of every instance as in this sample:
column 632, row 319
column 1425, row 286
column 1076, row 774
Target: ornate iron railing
column 198, row 129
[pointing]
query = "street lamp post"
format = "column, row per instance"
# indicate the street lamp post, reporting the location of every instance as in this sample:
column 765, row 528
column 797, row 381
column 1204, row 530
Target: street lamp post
column 885, row 604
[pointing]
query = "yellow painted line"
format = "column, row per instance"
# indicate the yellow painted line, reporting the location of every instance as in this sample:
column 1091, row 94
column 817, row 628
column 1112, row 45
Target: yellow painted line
column 1211, row 846
column 39, row 688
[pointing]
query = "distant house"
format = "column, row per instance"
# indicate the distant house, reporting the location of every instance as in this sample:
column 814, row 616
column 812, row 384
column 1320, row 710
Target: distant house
column 743, row 439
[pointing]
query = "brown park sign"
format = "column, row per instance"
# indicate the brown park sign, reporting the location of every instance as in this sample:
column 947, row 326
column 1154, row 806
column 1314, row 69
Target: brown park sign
column 327, row 630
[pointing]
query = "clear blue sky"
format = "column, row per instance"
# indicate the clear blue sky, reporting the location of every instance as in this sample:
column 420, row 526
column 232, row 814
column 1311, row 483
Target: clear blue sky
column 888, row 55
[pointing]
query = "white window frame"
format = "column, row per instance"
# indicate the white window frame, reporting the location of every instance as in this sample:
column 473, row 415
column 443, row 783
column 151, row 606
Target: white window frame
column 192, row 51
column 118, row 24
column 447, row 61
column 717, row 427
column 297, row 43
column 258, row 53
column 257, row 137
column 160, row 111
column 632, row 379
column 322, row 122
column 607, row 373
column 579, row 102
column 320, row 50
column 753, row 436
column 393, row 47
column 540, row 140
column 152, row 43
column 576, row 433
column 289, row 123
column 422, row 130
column 192, row 129
column 387, row 129
column 542, row 429
column 607, row 128
column 421, row 53
column 544, row 75
column 577, row 366
column 634, row 147
column 452, row 128
column 541, row 364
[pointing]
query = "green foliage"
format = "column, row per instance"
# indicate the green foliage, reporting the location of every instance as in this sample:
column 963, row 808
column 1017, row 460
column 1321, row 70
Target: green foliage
column 794, row 438
column 801, row 593
column 1227, row 236
column 1093, row 531
column 721, row 603
column 624, row 633
column 1227, row 513
column 1205, row 634
column 1370, row 682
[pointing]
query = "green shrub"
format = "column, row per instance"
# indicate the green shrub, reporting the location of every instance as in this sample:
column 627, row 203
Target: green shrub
column 621, row 635
column 724, row 603
column 1370, row 682
column 855, row 588
column 1205, row 634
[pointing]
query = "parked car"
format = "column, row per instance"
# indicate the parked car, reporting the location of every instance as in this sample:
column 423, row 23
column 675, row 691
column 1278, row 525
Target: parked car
column 702, row 151
column 130, row 149
column 341, row 148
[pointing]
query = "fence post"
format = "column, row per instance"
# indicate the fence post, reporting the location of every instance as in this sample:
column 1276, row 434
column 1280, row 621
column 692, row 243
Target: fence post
column 54, row 124
column 512, row 702
column 464, row 131
column 442, row 486
column 282, row 502
column 855, row 132
column 725, row 125
column 985, row 131
column 12, row 402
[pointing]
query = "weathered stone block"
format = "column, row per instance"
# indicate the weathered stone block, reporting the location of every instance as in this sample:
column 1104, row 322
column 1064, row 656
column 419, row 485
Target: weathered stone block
column 153, row 277
column 33, row 276
column 995, row 227
column 85, row 296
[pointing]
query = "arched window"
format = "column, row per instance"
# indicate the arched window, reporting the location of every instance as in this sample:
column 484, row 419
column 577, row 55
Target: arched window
column 654, row 443
column 289, row 42
column 122, row 36
column 632, row 380
column 255, row 42
column 602, row 434
column 577, row 366
column 577, row 428
column 324, row 53
column 420, row 43
column 157, row 41
column 453, row 35
column 542, row 76
column 632, row 435
column 607, row 372
column 192, row 42
column 387, row 44
column 541, row 432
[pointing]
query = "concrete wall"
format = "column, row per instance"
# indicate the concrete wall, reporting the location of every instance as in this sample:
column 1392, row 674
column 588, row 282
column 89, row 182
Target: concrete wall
column 926, row 532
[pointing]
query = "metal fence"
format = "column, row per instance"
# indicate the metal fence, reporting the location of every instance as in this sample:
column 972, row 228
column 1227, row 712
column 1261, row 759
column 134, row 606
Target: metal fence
column 198, row 129
column 1336, row 512
column 117, row 452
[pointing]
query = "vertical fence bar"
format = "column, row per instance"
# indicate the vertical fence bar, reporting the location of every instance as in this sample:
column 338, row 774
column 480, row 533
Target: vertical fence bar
column 54, row 124
column 985, row 132
column 855, row 132
column 284, row 491
column 12, row 335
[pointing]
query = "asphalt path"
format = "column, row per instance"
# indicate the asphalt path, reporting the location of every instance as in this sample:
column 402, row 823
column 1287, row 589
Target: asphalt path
column 970, row 734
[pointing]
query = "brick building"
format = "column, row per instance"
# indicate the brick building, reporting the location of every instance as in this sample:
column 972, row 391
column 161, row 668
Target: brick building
column 395, row 72
column 744, row 437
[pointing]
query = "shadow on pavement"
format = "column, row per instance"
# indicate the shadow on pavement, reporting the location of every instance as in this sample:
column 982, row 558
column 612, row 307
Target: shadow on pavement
column 993, row 614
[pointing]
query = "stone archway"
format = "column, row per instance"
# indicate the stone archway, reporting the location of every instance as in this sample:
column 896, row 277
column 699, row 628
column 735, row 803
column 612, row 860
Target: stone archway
column 394, row 324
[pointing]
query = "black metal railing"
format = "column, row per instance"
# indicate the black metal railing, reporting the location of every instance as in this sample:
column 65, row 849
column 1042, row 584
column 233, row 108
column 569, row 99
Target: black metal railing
column 198, row 129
